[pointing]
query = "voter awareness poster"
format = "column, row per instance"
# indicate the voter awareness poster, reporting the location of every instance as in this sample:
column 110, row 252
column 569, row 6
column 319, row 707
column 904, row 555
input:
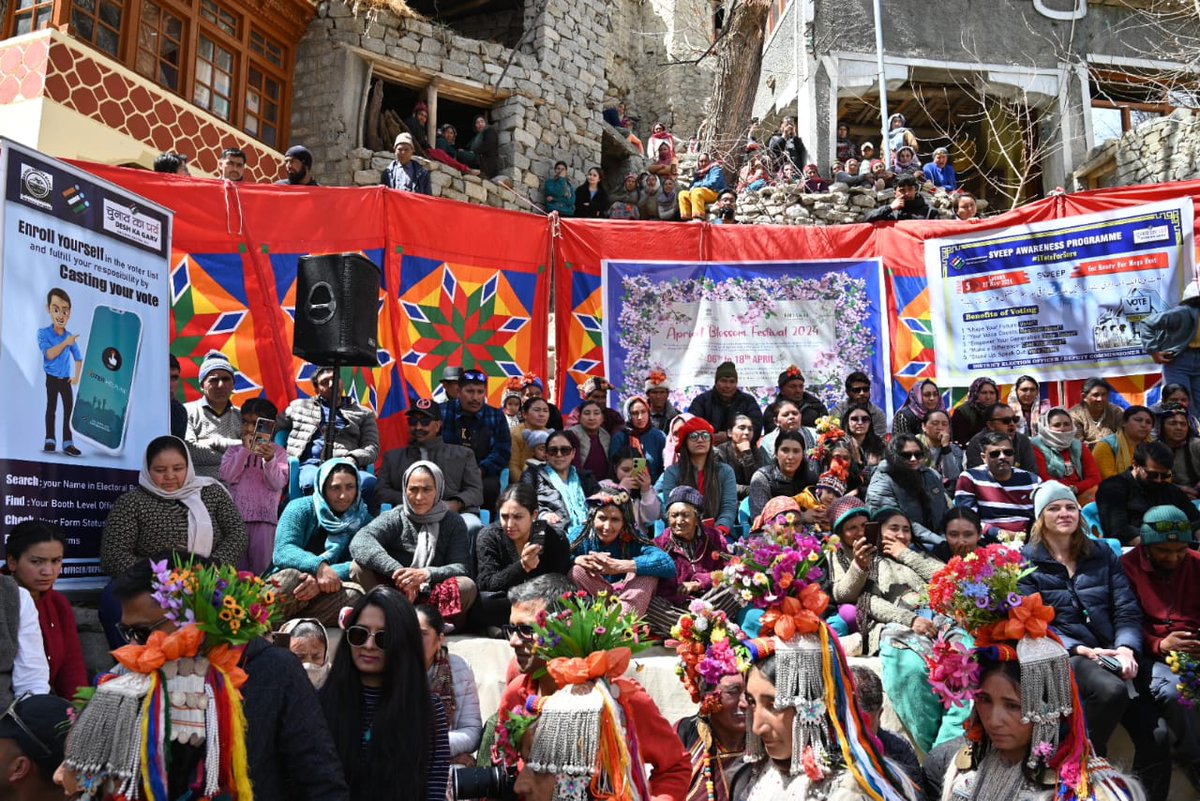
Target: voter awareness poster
column 1058, row 299
column 84, row 308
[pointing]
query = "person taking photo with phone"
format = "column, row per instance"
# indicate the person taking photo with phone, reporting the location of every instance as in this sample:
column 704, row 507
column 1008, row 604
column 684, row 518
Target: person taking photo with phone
column 255, row 472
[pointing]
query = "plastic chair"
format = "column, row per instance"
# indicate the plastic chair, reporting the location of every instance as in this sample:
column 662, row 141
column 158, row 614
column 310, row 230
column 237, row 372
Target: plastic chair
column 485, row 517
column 504, row 479
column 744, row 512
column 1091, row 518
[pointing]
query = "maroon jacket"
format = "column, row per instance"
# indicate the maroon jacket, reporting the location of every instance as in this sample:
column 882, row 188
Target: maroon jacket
column 1169, row 603
column 700, row 570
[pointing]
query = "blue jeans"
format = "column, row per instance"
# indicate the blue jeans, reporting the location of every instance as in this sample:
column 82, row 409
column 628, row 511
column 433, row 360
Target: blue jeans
column 1185, row 369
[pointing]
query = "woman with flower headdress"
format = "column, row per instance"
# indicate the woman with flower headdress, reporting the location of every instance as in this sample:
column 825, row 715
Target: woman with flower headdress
column 885, row 587
column 696, row 465
column 1061, row 455
column 712, row 667
column 924, row 397
column 1176, row 432
column 611, row 555
column 1027, row 735
column 511, row 404
column 806, row 736
column 972, row 415
column 1097, row 618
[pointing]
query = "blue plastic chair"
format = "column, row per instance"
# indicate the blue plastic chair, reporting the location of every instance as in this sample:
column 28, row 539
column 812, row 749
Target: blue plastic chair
column 1091, row 520
column 743, row 517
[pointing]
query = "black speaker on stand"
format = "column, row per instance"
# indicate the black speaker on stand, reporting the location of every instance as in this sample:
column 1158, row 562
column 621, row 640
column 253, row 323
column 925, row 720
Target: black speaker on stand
column 337, row 318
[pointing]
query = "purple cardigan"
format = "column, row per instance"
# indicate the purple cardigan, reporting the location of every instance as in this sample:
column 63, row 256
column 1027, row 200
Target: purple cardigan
column 686, row 569
column 254, row 484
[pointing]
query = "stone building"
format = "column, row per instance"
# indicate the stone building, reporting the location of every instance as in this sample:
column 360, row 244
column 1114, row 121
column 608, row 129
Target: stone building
column 1158, row 150
column 1020, row 91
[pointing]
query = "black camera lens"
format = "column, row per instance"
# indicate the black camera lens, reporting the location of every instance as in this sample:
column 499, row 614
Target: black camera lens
column 493, row 782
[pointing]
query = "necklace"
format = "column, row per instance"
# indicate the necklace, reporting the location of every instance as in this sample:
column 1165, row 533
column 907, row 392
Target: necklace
column 997, row 780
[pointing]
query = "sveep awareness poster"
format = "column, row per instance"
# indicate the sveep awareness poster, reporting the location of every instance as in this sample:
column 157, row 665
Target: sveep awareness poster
column 1059, row 299
column 84, row 311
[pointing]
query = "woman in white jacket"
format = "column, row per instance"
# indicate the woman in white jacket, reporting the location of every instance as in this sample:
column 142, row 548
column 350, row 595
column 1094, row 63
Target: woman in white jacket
column 451, row 679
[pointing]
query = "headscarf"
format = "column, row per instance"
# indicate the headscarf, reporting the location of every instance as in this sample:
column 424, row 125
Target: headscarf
column 629, row 417
column 1170, row 410
column 1053, row 443
column 200, row 526
column 1031, row 425
column 973, row 393
column 330, row 521
column 780, row 504
column 669, row 449
column 426, row 525
column 913, row 403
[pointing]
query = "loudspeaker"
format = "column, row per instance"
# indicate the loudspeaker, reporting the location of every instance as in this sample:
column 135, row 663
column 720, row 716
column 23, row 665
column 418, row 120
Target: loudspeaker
column 337, row 310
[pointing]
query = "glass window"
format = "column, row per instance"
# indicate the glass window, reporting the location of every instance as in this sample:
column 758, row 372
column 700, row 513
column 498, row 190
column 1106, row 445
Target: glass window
column 225, row 21
column 160, row 45
column 98, row 22
column 1106, row 124
column 214, row 81
column 263, row 92
column 31, row 15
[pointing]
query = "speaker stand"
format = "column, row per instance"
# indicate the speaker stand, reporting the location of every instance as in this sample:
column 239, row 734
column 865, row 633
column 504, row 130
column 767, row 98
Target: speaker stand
column 335, row 403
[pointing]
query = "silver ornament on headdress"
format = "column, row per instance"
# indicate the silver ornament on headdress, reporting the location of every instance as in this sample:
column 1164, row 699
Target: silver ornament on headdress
column 568, row 732
column 1046, row 695
column 106, row 740
column 799, row 684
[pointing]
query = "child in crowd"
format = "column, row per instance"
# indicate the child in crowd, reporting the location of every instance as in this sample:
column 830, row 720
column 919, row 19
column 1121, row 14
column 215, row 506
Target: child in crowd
column 535, row 441
column 59, row 346
column 256, row 472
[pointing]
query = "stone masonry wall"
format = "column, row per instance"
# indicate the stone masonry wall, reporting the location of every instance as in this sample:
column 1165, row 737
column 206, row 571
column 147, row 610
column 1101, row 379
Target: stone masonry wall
column 1159, row 150
column 555, row 91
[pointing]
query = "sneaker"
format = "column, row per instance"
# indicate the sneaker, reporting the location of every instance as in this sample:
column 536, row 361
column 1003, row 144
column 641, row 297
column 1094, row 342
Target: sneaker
column 49, row 447
column 71, row 450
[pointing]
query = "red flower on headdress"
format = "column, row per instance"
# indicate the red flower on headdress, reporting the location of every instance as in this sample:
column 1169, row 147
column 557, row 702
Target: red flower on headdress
column 793, row 371
column 656, row 377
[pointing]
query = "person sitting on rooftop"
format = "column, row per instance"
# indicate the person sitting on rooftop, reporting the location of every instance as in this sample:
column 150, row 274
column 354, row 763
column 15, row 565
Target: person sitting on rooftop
column 907, row 204
column 625, row 200
column 850, row 175
column 707, row 183
column 814, row 184
column 905, row 162
column 665, row 163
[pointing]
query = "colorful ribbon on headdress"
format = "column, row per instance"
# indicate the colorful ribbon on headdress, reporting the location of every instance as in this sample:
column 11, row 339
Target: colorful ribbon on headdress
column 596, row 665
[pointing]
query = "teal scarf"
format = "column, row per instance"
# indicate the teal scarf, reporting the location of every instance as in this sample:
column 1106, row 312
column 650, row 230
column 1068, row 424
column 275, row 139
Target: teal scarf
column 339, row 527
column 571, row 491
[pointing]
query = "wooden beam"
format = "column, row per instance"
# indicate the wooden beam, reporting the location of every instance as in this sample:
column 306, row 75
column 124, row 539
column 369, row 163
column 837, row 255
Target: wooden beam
column 431, row 98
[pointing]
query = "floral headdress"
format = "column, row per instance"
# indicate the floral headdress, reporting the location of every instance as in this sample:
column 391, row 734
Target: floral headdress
column 828, row 439
column 179, row 687
column 709, row 648
column 778, row 570
column 585, row 730
column 531, row 379
column 656, row 378
column 611, row 494
column 979, row 591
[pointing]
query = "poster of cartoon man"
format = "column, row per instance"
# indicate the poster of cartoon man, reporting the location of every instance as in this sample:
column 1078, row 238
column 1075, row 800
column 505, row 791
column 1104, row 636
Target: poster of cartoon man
column 58, row 347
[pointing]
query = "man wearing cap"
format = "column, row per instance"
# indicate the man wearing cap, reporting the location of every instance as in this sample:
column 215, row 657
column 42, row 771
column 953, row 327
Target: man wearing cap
column 463, row 491
column 403, row 173
column 418, row 125
column 1172, row 338
column 298, row 162
column 1163, row 573
column 658, row 395
column 356, row 432
column 471, row 422
column 724, row 402
column 32, row 738
column 213, row 424
column 451, row 376
column 940, row 172
column 1124, row 499
column 858, row 391
column 791, row 387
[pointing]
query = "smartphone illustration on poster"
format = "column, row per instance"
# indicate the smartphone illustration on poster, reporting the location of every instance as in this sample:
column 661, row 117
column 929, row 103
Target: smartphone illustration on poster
column 101, row 414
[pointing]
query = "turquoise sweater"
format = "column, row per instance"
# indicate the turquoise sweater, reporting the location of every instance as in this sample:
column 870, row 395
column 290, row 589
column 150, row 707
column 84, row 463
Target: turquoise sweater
column 297, row 528
column 648, row 560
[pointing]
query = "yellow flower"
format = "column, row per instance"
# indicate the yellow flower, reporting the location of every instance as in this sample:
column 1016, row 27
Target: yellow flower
column 234, row 626
column 268, row 597
column 226, row 615
column 229, row 602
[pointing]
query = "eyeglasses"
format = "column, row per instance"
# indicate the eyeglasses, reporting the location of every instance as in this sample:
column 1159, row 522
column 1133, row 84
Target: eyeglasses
column 859, row 390
column 911, row 456
column 562, row 450
column 860, row 419
column 524, row 631
column 1004, row 420
column 699, row 436
column 1001, row 452
column 1170, row 526
column 358, row 636
column 11, row 713
column 1157, row 475
column 139, row 634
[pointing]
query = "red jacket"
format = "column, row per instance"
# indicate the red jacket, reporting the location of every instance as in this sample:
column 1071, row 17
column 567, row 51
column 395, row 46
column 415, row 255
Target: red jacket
column 660, row 745
column 60, row 638
column 1169, row 602
column 1078, row 483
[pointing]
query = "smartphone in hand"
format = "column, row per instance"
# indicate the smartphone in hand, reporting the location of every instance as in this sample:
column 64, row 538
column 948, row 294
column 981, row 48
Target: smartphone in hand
column 1110, row 663
column 264, row 429
column 639, row 465
column 874, row 533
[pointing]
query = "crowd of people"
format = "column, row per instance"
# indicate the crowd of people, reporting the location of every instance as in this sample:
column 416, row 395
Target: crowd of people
column 491, row 515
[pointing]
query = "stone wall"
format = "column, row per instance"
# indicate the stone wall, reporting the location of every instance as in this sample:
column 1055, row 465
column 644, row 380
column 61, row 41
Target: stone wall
column 1159, row 150
column 550, row 98
column 448, row 182
column 788, row 205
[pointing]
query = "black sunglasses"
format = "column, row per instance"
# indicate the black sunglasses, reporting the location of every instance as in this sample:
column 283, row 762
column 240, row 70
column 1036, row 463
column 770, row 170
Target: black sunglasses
column 911, row 456
column 138, row 635
column 358, row 636
column 559, row 450
column 1002, row 452
column 1004, row 420
column 859, row 390
column 524, row 631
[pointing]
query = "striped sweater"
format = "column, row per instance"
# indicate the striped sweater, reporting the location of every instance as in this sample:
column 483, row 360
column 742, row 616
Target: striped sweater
column 1006, row 505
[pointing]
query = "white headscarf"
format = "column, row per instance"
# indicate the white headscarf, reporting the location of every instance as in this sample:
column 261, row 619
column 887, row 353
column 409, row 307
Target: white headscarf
column 200, row 527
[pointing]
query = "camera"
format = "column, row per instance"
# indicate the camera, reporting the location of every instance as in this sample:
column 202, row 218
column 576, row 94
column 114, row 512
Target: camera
column 728, row 213
column 494, row 782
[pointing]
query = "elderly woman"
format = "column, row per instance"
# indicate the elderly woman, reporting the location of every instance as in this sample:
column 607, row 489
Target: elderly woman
column 421, row 547
column 1175, row 431
column 311, row 564
column 886, row 588
column 1095, row 416
column 924, row 397
column 971, row 417
column 453, row 682
column 309, row 642
column 562, row 491
column 612, row 556
column 697, row 552
column 172, row 509
column 696, row 465
column 1114, row 453
column 1061, row 455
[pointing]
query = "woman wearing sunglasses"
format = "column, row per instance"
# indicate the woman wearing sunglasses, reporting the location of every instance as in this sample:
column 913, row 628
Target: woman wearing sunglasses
column 390, row 731
column 562, row 490
column 1096, row 615
column 904, row 482
column 697, row 466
